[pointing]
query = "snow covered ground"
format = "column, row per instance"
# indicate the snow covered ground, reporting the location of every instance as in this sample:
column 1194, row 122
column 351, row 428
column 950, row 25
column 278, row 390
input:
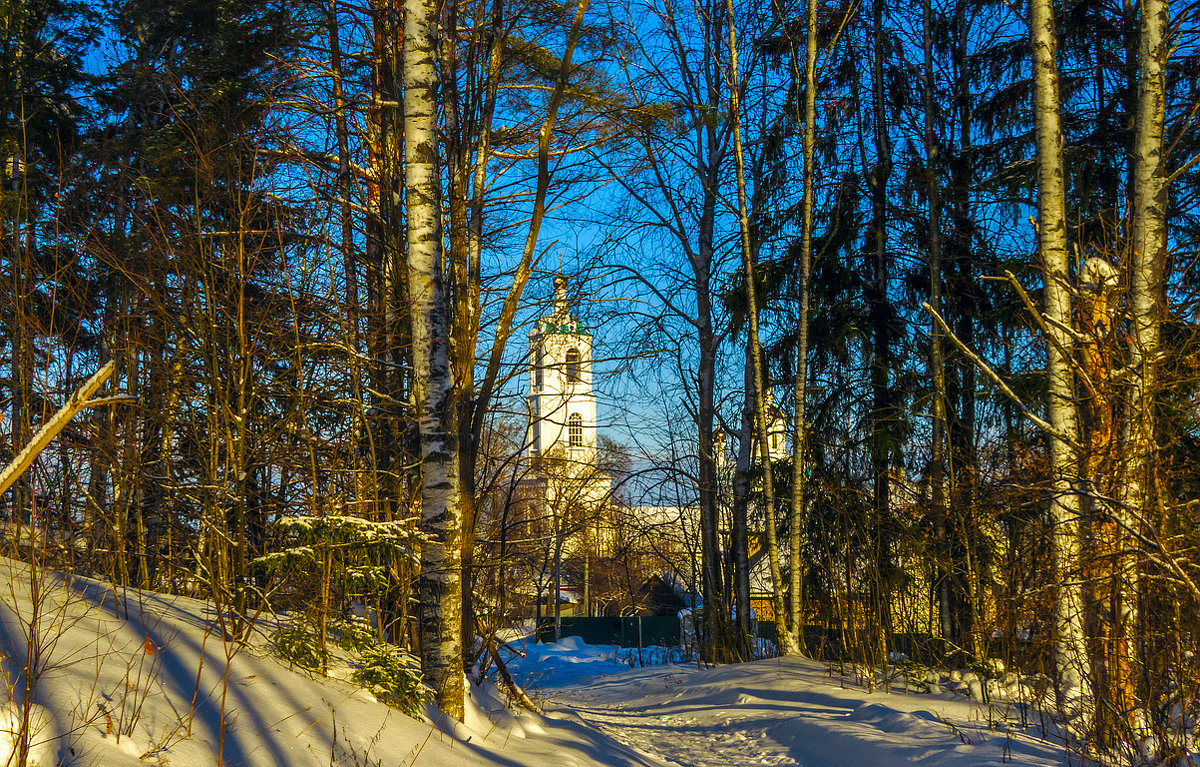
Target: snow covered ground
column 157, row 685
column 789, row 712
column 773, row 712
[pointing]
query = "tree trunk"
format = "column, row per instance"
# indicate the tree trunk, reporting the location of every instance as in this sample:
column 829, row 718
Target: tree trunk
column 800, row 389
column 467, row 314
column 962, row 464
column 715, row 601
column 761, row 395
column 739, row 532
column 719, row 593
column 440, row 585
column 21, row 364
column 1070, row 650
column 1147, row 304
column 389, row 433
column 1103, row 549
column 879, row 311
column 937, row 463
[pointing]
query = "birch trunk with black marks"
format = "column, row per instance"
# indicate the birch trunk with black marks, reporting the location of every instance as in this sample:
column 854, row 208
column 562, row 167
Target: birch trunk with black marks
column 1138, row 501
column 439, row 584
column 1070, row 650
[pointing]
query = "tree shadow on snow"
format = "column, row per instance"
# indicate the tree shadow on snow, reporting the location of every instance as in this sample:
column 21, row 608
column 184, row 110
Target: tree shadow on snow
column 181, row 654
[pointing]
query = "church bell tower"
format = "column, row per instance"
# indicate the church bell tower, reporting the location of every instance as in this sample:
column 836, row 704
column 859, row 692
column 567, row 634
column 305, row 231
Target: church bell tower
column 562, row 406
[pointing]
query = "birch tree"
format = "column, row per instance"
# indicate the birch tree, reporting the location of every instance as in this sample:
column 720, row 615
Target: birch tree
column 1070, row 651
column 1149, row 258
column 1138, row 505
column 439, row 585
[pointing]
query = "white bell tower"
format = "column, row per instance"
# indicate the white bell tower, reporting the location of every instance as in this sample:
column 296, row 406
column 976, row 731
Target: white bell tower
column 562, row 407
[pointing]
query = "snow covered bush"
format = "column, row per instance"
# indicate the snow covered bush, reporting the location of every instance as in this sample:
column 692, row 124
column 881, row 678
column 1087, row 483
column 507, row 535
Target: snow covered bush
column 326, row 562
column 987, row 668
column 394, row 677
column 916, row 675
column 299, row 644
column 309, row 542
column 353, row 633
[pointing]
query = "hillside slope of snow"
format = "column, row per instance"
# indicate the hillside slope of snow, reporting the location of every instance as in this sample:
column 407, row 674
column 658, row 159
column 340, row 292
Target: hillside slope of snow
column 157, row 685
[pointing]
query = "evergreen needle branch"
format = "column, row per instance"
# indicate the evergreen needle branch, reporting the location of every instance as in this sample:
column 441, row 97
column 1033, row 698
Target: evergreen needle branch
column 1000, row 384
column 833, row 41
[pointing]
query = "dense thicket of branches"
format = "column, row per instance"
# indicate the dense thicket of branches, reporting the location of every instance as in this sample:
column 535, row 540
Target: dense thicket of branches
column 214, row 194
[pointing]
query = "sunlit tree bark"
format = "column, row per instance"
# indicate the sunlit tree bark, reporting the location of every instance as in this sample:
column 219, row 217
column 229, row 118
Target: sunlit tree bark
column 439, row 587
column 761, row 394
column 1070, row 651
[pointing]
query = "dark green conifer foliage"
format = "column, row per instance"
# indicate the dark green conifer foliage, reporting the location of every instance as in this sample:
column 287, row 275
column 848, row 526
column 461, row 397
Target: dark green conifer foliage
column 42, row 44
column 191, row 246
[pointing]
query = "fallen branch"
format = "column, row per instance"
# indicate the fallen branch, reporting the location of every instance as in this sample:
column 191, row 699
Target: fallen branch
column 79, row 400
column 513, row 688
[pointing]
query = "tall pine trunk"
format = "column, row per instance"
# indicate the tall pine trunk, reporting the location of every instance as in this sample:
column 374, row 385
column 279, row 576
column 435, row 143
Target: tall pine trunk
column 937, row 365
column 879, row 311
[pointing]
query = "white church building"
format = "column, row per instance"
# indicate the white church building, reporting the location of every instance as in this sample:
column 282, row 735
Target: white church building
column 564, row 494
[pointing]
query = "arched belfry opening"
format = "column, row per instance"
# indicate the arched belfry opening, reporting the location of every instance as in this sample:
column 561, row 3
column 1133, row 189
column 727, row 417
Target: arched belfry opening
column 573, row 366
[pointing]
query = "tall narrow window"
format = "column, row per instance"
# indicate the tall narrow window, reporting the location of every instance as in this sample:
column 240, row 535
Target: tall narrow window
column 572, row 366
column 537, row 369
column 575, row 430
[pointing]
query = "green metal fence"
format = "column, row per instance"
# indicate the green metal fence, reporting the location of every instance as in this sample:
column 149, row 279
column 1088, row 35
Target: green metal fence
column 635, row 631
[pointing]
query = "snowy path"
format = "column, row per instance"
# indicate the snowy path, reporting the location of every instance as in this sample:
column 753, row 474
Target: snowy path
column 785, row 713
column 679, row 733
